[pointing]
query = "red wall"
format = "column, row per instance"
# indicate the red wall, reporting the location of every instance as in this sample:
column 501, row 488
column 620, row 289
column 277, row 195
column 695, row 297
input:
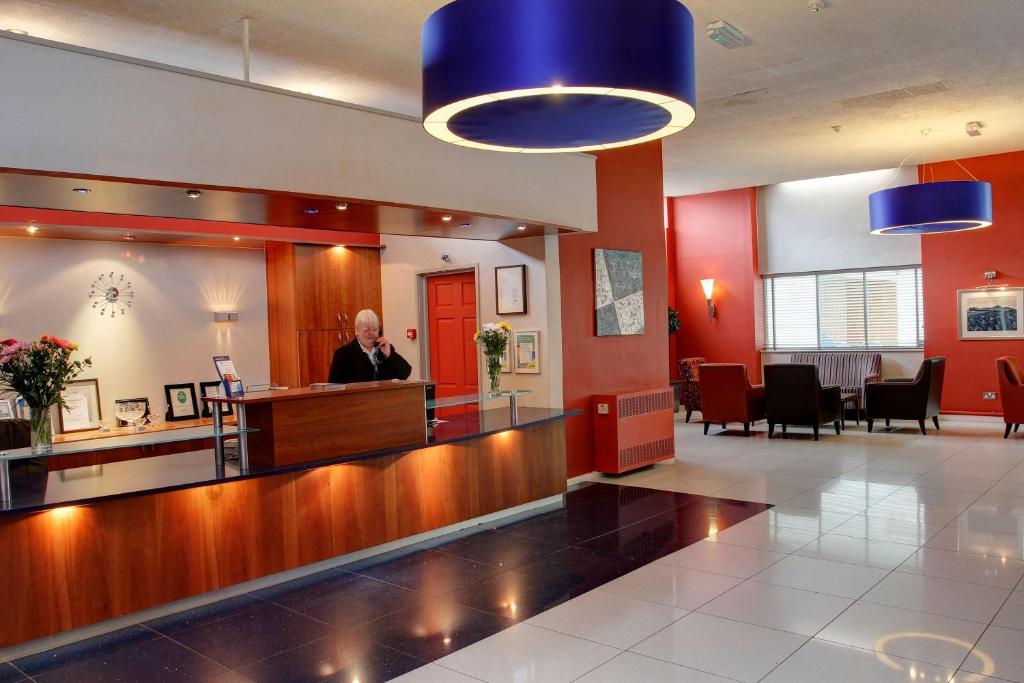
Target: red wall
column 714, row 235
column 958, row 261
column 630, row 216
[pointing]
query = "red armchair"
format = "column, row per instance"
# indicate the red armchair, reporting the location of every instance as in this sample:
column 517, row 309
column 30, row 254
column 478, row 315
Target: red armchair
column 728, row 396
column 690, row 392
column 1011, row 389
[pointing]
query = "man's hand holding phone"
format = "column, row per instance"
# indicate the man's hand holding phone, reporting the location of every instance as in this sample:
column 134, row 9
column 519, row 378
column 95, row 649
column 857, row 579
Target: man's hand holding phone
column 384, row 345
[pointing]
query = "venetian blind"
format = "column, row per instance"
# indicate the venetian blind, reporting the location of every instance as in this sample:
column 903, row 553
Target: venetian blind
column 862, row 309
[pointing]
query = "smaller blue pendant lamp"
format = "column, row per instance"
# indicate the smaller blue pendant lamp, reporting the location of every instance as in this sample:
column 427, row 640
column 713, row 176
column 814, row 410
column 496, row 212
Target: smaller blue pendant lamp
column 557, row 75
column 928, row 208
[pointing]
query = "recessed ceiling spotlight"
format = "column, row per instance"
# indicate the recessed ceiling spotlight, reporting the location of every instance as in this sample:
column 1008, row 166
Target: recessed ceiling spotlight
column 816, row 5
column 341, row 206
column 837, row 129
column 464, row 225
column 17, row 31
column 973, row 128
column 193, row 194
column 32, row 228
column 521, row 226
column 311, row 212
column 447, row 217
column 81, row 190
column 236, row 238
column 128, row 237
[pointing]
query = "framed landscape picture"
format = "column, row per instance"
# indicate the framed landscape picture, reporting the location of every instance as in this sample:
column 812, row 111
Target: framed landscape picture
column 990, row 313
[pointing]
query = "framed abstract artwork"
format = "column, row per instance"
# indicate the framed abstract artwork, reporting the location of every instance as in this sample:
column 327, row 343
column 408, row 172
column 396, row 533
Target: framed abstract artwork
column 618, row 292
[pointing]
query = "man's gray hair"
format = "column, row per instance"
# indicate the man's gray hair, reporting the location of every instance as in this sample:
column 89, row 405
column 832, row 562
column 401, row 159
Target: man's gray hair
column 368, row 318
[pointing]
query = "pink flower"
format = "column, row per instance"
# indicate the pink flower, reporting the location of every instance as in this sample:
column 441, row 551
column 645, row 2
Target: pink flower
column 8, row 342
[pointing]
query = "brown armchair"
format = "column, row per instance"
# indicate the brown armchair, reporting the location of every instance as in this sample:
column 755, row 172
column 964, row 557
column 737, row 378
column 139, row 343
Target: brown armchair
column 794, row 396
column 908, row 399
column 728, row 396
column 689, row 394
column 1011, row 391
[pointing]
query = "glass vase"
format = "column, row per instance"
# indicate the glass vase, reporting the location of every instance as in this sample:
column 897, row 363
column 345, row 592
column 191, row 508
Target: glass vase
column 42, row 432
column 494, row 373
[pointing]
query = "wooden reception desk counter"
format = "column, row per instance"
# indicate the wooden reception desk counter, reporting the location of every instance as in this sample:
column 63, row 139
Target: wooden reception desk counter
column 336, row 472
column 300, row 425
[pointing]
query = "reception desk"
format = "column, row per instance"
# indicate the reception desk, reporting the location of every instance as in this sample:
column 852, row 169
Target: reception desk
column 88, row 544
column 301, row 425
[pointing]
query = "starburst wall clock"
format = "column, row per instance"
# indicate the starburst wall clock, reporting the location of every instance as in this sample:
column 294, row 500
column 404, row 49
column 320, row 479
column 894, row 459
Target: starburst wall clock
column 111, row 294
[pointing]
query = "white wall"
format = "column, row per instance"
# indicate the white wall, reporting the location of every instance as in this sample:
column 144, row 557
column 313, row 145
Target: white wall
column 169, row 335
column 405, row 257
column 80, row 113
column 823, row 224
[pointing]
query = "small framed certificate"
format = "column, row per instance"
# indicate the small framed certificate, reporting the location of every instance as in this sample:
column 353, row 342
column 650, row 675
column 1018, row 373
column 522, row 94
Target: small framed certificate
column 527, row 352
column 181, row 401
column 81, row 410
column 510, row 289
column 212, row 389
column 6, row 409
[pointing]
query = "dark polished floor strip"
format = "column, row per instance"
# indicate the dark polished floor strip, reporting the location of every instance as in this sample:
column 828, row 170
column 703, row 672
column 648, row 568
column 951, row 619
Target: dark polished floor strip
column 379, row 618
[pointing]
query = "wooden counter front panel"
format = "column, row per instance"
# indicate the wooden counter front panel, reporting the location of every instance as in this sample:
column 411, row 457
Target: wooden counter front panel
column 75, row 566
column 330, row 425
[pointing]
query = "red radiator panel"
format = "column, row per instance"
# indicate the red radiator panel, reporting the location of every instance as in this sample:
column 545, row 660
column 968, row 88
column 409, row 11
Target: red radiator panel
column 637, row 430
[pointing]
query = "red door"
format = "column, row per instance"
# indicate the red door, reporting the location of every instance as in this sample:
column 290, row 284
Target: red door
column 451, row 314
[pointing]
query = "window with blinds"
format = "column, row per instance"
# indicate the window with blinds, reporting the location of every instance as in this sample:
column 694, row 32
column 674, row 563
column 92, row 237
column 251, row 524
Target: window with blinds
column 849, row 309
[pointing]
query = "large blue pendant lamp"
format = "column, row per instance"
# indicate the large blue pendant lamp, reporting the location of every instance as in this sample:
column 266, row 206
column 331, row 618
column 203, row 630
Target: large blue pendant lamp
column 928, row 208
column 557, row 75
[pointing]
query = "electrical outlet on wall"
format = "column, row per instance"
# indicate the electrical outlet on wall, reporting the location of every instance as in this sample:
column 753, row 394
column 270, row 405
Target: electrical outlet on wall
column 988, row 395
column 602, row 408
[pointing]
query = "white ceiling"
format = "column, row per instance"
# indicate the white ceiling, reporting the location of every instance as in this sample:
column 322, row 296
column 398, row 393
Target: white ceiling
column 882, row 69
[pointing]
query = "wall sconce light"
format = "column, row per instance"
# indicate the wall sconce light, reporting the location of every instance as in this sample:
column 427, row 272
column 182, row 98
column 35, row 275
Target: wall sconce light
column 709, row 286
column 225, row 317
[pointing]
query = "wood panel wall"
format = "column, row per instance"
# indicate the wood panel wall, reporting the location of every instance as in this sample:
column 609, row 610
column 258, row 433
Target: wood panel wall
column 75, row 566
column 313, row 295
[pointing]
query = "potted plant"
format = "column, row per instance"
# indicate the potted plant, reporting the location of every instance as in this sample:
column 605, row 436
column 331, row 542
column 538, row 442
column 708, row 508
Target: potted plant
column 39, row 371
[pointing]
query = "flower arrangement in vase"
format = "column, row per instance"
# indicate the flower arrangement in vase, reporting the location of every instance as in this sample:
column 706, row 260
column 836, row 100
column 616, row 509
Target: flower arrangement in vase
column 493, row 339
column 39, row 371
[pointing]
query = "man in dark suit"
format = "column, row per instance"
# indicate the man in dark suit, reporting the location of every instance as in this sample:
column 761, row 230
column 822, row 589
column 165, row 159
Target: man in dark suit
column 369, row 356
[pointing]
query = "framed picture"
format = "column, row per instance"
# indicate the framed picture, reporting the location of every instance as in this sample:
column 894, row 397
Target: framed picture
column 6, row 409
column 990, row 313
column 618, row 292
column 527, row 351
column 181, row 402
column 82, row 411
column 510, row 289
column 214, row 389
column 506, row 359
column 128, row 410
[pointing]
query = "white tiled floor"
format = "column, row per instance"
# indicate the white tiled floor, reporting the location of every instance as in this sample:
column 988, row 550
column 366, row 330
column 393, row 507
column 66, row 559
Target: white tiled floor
column 888, row 557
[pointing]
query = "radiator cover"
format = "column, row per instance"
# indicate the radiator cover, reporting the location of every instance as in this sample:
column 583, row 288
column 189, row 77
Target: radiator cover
column 637, row 430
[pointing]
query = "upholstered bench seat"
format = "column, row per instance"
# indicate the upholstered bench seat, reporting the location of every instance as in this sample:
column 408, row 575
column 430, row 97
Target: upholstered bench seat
column 850, row 370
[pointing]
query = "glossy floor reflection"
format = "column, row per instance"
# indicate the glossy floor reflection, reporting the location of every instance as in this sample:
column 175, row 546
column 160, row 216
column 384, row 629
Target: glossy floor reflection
column 383, row 617
column 887, row 557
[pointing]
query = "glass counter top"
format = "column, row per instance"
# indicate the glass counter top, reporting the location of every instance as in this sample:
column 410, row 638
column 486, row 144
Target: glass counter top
column 33, row 488
column 121, row 440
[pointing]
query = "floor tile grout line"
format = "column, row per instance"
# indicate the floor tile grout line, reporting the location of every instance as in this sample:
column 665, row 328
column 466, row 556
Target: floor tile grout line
column 856, row 600
column 987, row 627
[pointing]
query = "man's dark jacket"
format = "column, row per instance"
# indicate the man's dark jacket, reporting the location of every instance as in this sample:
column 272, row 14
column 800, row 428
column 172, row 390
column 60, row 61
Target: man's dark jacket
column 351, row 364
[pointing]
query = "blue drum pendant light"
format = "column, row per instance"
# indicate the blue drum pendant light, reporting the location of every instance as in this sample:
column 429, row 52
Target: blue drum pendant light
column 927, row 208
column 557, row 75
